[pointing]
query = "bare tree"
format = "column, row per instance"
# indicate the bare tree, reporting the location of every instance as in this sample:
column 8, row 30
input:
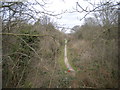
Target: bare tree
column 45, row 20
column 13, row 12
column 108, row 16
column 20, row 37
column 106, row 10
column 90, row 21
column 75, row 28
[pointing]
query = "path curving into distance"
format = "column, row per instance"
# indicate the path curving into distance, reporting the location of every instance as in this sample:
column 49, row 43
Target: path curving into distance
column 69, row 67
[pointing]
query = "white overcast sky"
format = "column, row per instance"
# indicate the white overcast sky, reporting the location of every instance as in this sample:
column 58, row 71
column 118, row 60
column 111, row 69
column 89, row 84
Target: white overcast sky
column 68, row 20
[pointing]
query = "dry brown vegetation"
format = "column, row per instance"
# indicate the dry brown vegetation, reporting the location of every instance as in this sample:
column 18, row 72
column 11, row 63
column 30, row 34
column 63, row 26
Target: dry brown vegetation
column 33, row 49
column 93, row 51
column 32, row 59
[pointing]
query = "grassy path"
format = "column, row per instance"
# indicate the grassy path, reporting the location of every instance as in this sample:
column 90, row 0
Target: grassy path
column 69, row 67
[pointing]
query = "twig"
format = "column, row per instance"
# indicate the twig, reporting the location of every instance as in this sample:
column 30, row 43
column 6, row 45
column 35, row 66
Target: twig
column 53, row 72
column 15, row 34
column 21, row 77
column 16, row 63
column 22, row 74
column 30, row 47
column 16, row 53
column 52, row 75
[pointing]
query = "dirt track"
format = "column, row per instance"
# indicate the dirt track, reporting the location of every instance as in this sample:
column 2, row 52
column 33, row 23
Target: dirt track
column 66, row 59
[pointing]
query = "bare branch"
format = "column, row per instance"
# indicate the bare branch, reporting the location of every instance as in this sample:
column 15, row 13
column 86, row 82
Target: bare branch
column 24, row 35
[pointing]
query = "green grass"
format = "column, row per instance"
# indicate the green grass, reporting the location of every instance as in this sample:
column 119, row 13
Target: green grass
column 61, row 58
column 27, row 84
column 70, row 59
